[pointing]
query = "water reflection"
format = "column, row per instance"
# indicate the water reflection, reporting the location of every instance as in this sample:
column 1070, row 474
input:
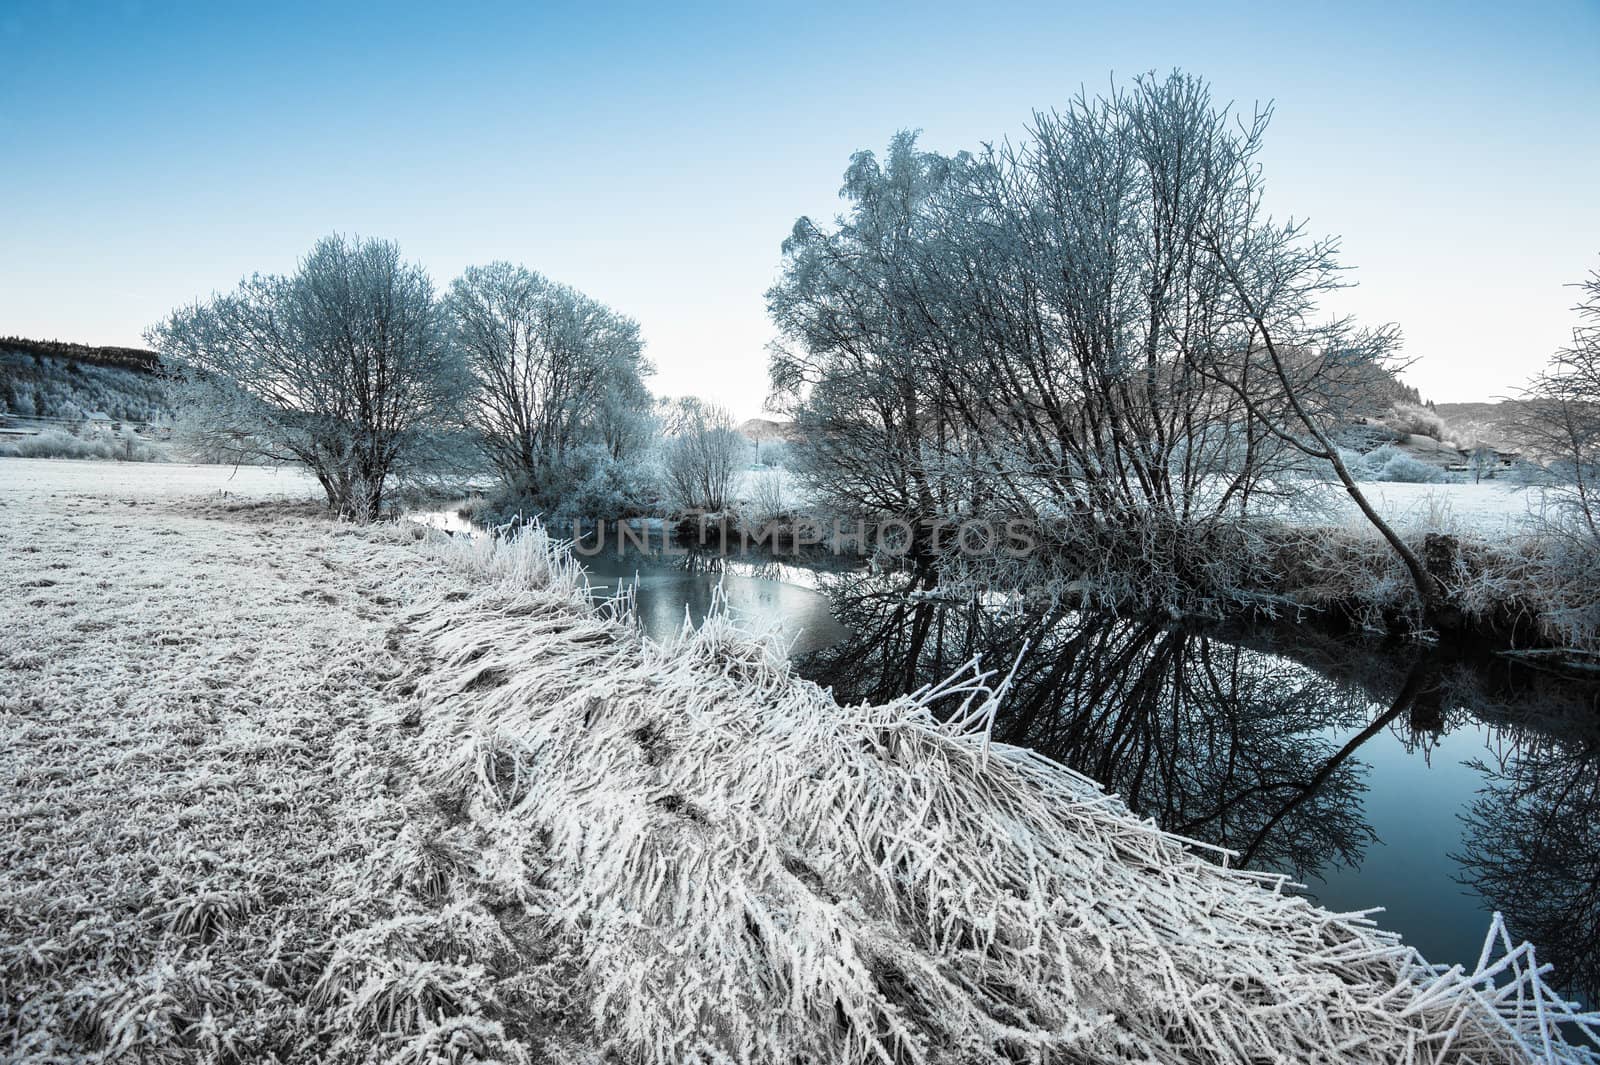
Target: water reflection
column 1276, row 748
column 1532, row 842
column 669, row 590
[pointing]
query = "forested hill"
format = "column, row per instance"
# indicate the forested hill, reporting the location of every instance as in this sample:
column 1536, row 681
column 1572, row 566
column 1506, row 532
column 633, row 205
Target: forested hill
column 52, row 379
column 124, row 358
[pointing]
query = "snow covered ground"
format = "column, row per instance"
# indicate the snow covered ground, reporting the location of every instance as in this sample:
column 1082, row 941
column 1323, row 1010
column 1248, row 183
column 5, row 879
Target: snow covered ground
column 1488, row 509
column 150, row 480
column 192, row 793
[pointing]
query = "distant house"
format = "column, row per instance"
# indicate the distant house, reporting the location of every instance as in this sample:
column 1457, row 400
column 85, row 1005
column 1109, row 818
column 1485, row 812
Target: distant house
column 98, row 422
column 11, row 429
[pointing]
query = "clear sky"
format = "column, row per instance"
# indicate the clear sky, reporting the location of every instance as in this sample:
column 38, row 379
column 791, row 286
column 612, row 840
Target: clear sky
column 656, row 155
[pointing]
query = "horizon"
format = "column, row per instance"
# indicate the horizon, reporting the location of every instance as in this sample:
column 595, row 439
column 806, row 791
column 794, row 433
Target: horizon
column 657, row 164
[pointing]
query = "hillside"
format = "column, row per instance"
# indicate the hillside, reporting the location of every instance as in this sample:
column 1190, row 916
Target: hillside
column 767, row 429
column 1494, row 423
column 124, row 358
column 50, row 379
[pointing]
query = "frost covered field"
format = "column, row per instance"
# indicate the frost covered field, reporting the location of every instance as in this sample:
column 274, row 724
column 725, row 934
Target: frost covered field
column 192, row 795
column 1489, row 509
column 26, row 481
column 279, row 788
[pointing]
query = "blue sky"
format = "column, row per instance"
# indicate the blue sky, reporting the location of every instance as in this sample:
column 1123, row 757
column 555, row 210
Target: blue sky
column 656, row 155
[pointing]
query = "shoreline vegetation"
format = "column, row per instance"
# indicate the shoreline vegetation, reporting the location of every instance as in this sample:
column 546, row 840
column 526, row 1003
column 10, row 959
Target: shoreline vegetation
column 1496, row 586
column 314, row 811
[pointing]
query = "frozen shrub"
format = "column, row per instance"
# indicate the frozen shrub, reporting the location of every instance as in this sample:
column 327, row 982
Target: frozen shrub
column 1406, row 469
column 1358, row 465
column 773, row 453
column 590, row 484
column 765, row 498
column 701, row 455
column 1523, row 472
column 1390, row 463
column 55, row 444
column 1410, row 419
column 599, row 486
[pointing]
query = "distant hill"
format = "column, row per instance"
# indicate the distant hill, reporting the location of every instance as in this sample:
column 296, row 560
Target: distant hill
column 52, row 379
column 123, row 358
column 1495, row 424
column 767, row 429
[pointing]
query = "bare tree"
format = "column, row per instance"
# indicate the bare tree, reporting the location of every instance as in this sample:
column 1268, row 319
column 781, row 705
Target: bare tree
column 1098, row 330
column 855, row 367
column 556, row 372
column 1482, row 460
column 700, row 455
column 1562, row 418
column 341, row 366
column 1315, row 370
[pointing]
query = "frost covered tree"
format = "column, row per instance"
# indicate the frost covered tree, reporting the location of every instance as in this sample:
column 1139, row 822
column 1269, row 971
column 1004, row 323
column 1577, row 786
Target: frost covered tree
column 341, row 366
column 1561, row 422
column 559, row 378
column 1563, row 413
column 1482, row 460
column 1099, row 329
column 853, row 369
column 700, row 455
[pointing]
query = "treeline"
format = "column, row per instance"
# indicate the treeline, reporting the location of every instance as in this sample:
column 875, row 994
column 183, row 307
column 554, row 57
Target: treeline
column 38, row 385
column 137, row 359
column 358, row 367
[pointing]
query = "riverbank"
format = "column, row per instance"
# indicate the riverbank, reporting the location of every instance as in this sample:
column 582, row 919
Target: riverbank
column 1513, row 576
column 284, row 787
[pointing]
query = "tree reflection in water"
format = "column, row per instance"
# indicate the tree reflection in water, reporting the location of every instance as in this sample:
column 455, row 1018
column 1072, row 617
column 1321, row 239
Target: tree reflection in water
column 1533, row 835
column 1253, row 745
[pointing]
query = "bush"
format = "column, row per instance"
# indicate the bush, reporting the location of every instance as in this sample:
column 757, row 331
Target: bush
column 774, row 453
column 600, row 486
column 592, row 485
column 55, row 444
column 1389, row 463
column 701, row 456
column 1409, row 419
column 1523, row 472
column 765, row 499
column 1409, row 470
column 1358, row 465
